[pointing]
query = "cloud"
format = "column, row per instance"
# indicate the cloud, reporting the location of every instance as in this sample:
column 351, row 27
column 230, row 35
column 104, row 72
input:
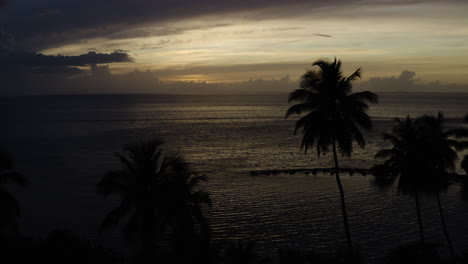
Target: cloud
column 38, row 24
column 99, row 79
column 22, row 63
column 404, row 82
column 163, row 43
column 38, row 59
column 407, row 82
column 323, row 35
column 165, row 30
column 45, row 24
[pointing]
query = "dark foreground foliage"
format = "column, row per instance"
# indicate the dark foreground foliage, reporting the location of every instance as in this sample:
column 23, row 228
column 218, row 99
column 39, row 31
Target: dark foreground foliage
column 60, row 246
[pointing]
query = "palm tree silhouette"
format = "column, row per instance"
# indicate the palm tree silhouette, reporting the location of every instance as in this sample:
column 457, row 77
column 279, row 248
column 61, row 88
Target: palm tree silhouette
column 404, row 159
column 334, row 116
column 440, row 152
column 423, row 154
column 8, row 204
column 159, row 194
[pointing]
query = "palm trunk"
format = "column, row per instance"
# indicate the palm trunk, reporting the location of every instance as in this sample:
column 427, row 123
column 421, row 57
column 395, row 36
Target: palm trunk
column 444, row 227
column 421, row 231
column 343, row 205
column 147, row 233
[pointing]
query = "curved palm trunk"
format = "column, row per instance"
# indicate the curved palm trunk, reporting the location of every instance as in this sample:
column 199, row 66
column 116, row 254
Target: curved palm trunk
column 421, row 231
column 444, row 227
column 343, row 205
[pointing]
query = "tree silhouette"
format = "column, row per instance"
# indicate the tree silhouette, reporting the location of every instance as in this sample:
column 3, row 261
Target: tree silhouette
column 159, row 195
column 334, row 116
column 423, row 154
column 8, row 204
column 440, row 152
column 404, row 159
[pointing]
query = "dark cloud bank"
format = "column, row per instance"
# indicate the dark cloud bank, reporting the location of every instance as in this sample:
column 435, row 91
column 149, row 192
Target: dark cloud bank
column 35, row 25
column 26, row 64
column 50, row 23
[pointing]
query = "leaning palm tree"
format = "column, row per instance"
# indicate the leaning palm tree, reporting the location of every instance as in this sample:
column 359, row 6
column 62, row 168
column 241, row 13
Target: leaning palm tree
column 333, row 116
column 159, row 195
column 8, row 204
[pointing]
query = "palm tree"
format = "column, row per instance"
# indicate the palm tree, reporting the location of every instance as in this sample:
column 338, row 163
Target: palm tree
column 334, row 116
column 423, row 153
column 8, row 204
column 159, row 194
column 404, row 159
column 440, row 152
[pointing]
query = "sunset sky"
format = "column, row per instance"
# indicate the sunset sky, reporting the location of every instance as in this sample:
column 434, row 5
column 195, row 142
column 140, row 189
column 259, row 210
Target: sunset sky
column 226, row 42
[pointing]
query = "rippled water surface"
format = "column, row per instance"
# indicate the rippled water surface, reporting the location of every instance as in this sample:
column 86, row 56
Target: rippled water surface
column 64, row 144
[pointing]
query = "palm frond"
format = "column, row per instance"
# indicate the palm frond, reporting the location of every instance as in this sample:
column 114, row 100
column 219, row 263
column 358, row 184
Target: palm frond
column 299, row 95
column 356, row 134
column 300, row 108
column 456, row 132
column 305, row 122
column 361, row 118
column 310, row 81
column 354, row 76
column 195, row 180
column 386, row 153
column 113, row 218
column 323, row 64
column 128, row 164
column 113, row 182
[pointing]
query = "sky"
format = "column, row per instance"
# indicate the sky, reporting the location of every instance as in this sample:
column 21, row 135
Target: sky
column 243, row 45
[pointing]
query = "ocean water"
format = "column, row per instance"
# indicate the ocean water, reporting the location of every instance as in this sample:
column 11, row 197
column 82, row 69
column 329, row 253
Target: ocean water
column 65, row 144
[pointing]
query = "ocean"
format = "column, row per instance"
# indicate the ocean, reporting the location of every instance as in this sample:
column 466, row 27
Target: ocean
column 64, row 144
